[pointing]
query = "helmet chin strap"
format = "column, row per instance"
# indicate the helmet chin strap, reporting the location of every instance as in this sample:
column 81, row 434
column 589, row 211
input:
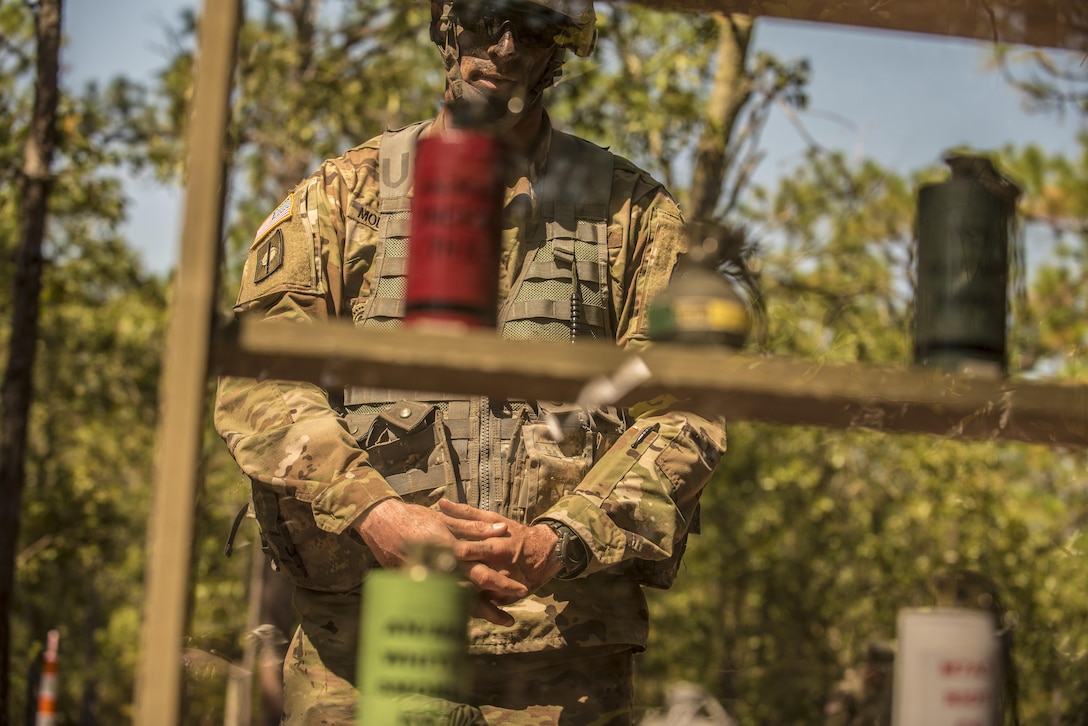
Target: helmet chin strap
column 445, row 37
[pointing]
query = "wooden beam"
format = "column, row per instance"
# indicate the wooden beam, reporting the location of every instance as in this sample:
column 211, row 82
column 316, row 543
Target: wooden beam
column 713, row 381
column 1042, row 23
column 185, row 375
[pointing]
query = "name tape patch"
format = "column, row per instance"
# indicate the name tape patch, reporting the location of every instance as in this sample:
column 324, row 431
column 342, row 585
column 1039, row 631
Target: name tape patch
column 369, row 218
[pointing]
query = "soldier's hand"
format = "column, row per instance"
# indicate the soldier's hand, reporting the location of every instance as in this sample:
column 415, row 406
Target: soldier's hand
column 525, row 553
column 391, row 527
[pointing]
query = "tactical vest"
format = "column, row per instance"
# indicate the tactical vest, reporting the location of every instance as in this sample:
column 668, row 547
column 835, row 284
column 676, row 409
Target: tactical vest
column 496, row 454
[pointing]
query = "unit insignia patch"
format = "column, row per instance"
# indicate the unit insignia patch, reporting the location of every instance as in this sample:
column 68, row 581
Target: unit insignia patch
column 269, row 256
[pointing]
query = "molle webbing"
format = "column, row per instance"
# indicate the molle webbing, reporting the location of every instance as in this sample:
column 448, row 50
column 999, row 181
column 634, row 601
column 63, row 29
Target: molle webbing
column 384, row 306
column 561, row 291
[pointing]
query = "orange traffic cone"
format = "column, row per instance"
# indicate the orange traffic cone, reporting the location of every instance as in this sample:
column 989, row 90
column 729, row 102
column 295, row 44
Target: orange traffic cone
column 47, row 689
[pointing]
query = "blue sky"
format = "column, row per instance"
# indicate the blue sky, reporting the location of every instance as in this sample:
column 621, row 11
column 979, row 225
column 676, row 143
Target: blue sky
column 907, row 98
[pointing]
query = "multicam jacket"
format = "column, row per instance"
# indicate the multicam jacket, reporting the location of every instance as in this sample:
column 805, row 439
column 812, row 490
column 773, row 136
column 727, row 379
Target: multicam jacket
column 319, row 460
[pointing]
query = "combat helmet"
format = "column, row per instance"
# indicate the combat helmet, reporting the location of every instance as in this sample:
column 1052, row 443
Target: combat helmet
column 580, row 31
column 575, row 19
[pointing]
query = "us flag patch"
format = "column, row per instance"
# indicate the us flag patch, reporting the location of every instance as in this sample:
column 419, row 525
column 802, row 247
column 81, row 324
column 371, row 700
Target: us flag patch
column 279, row 214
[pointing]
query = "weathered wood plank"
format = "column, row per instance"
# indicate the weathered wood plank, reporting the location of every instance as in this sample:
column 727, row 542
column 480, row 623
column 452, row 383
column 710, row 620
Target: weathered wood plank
column 185, row 377
column 1044, row 23
column 714, row 381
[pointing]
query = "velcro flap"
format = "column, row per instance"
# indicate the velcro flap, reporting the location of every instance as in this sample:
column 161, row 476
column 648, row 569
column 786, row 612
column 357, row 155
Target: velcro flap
column 407, row 416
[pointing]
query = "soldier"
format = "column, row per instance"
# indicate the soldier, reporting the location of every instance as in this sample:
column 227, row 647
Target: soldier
column 864, row 696
column 557, row 536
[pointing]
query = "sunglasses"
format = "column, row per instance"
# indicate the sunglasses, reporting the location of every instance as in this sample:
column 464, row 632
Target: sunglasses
column 530, row 25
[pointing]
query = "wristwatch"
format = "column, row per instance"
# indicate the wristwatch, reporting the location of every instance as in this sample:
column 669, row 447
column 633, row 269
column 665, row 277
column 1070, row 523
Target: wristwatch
column 569, row 550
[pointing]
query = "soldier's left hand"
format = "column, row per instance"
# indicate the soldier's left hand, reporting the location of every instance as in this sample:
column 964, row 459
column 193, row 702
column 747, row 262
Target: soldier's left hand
column 525, row 553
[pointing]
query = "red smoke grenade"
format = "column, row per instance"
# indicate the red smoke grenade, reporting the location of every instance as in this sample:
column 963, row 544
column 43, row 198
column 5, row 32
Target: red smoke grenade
column 456, row 230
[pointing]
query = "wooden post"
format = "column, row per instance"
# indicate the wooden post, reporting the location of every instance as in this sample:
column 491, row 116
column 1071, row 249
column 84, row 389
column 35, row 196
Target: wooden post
column 185, row 373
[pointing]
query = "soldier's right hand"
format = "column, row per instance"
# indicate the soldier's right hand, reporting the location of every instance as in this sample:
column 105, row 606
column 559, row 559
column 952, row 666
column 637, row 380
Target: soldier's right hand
column 392, row 526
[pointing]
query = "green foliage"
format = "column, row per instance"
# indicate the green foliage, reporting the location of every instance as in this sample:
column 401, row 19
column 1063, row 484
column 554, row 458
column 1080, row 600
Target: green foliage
column 835, row 261
column 91, row 438
column 92, row 441
column 814, row 539
column 811, row 539
column 1048, row 80
column 313, row 87
column 644, row 94
column 640, row 92
column 309, row 86
column 1054, row 334
column 16, row 32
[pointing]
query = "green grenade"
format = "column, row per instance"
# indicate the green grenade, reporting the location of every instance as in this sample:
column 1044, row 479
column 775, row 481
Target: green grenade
column 965, row 235
column 413, row 656
column 700, row 306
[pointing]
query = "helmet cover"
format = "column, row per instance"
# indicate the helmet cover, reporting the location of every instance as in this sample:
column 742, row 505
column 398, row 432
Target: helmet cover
column 580, row 30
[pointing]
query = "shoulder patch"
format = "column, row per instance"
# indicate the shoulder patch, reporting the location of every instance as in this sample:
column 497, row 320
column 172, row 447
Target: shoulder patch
column 279, row 215
column 269, row 256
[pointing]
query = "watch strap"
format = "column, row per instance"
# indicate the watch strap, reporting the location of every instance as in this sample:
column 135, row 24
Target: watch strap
column 569, row 550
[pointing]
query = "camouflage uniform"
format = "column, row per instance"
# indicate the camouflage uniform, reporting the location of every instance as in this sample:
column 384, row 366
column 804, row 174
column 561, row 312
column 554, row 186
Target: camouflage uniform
column 632, row 503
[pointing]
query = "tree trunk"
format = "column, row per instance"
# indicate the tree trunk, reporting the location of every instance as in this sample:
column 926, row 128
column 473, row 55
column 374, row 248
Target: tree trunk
column 269, row 625
column 727, row 97
column 15, row 391
column 298, row 158
column 277, row 627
